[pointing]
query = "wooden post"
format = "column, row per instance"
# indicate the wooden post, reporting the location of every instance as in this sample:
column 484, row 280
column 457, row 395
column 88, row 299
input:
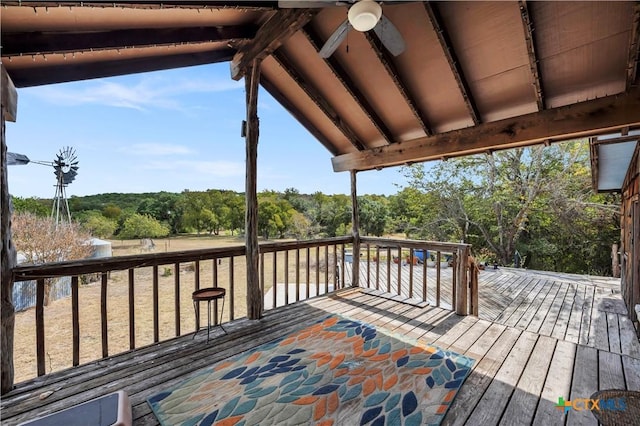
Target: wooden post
column 355, row 221
column 461, row 304
column 8, row 257
column 255, row 299
column 615, row 264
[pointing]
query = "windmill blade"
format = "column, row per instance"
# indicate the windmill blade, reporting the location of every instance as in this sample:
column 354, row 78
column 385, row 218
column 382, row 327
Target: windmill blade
column 336, row 38
column 389, row 36
column 309, row 4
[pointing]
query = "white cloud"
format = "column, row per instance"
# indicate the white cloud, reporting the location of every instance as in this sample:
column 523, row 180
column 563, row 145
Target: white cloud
column 156, row 149
column 148, row 92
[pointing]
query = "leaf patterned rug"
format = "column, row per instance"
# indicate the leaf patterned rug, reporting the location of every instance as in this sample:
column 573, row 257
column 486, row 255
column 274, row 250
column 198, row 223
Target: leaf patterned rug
column 335, row 372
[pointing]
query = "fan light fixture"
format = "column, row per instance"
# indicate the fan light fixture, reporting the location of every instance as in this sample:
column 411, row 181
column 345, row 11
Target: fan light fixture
column 364, row 15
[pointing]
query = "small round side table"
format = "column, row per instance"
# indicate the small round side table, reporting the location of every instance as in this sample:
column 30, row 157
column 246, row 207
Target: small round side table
column 211, row 294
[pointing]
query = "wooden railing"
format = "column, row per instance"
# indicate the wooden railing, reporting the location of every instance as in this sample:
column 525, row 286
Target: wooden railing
column 432, row 272
column 160, row 285
column 144, row 299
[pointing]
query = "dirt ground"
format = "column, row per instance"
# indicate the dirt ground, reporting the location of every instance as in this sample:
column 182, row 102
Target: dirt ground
column 58, row 315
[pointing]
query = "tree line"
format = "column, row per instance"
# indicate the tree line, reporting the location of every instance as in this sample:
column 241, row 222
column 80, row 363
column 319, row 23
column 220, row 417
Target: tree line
column 532, row 207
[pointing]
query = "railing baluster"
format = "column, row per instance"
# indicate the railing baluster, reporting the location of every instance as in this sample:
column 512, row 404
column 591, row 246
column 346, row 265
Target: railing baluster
column 388, row 269
column 410, row 273
column 176, row 269
column 40, row 327
column 214, row 271
column 132, row 316
column 103, row 314
column 196, row 274
column 262, row 274
column 275, row 279
column 377, row 267
column 286, row 277
column 75, row 319
column 438, row 278
column 454, row 280
column 297, row 275
column 399, row 270
column 424, row 274
column 156, row 316
column 368, row 265
column 343, row 272
column 308, row 277
column 326, row 269
column 317, row 270
column 336, row 274
column 231, row 288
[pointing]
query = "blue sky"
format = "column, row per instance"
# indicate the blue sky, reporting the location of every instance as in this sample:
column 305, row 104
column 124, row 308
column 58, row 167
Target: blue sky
column 168, row 131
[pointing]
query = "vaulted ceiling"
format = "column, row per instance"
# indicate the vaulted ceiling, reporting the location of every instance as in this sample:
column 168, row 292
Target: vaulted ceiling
column 474, row 77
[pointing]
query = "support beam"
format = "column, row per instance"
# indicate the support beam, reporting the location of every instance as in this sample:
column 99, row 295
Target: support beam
column 529, row 38
column 250, row 5
column 297, row 114
column 282, row 25
column 26, row 77
column 454, row 63
column 29, row 43
column 349, row 85
column 571, row 121
column 634, row 49
column 355, row 221
column 255, row 300
column 8, row 257
column 386, row 60
column 314, row 94
column 9, row 96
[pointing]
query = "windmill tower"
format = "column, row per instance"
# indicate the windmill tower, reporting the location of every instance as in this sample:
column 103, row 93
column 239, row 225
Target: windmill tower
column 65, row 167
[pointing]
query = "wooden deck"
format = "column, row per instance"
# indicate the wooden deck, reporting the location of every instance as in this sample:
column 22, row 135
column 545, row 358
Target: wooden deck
column 539, row 336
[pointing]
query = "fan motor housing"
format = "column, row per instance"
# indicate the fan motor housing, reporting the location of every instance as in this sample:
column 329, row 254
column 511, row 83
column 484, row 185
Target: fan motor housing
column 364, row 15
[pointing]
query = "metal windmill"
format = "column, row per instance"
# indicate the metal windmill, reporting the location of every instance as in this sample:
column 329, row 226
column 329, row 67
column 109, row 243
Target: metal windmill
column 65, row 167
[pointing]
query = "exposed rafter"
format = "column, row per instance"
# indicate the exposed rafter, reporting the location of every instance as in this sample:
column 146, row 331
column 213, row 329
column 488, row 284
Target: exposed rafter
column 456, row 69
column 72, row 72
column 531, row 51
column 387, row 61
column 280, row 26
column 349, row 85
column 317, row 98
column 634, row 49
column 562, row 123
column 297, row 114
column 151, row 4
column 28, row 43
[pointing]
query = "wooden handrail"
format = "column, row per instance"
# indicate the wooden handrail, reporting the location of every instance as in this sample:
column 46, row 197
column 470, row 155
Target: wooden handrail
column 332, row 259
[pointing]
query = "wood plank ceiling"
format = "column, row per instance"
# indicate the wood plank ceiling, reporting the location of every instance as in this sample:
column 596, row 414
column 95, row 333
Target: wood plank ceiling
column 475, row 76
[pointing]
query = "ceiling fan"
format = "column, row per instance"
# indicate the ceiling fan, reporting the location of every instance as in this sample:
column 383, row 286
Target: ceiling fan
column 363, row 15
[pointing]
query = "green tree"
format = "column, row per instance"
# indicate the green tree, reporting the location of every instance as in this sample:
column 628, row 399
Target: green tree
column 111, row 211
column 534, row 200
column 373, row 213
column 163, row 207
column 142, row 226
column 99, row 226
column 33, row 205
column 335, row 212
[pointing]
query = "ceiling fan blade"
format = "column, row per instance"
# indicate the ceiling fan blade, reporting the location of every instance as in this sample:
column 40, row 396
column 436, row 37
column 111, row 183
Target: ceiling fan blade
column 389, row 36
column 336, row 38
column 308, row 4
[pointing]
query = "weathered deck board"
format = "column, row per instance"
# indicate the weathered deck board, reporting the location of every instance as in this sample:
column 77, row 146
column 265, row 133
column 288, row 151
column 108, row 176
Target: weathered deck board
column 557, row 384
column 545, row 335
column 585, row 382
